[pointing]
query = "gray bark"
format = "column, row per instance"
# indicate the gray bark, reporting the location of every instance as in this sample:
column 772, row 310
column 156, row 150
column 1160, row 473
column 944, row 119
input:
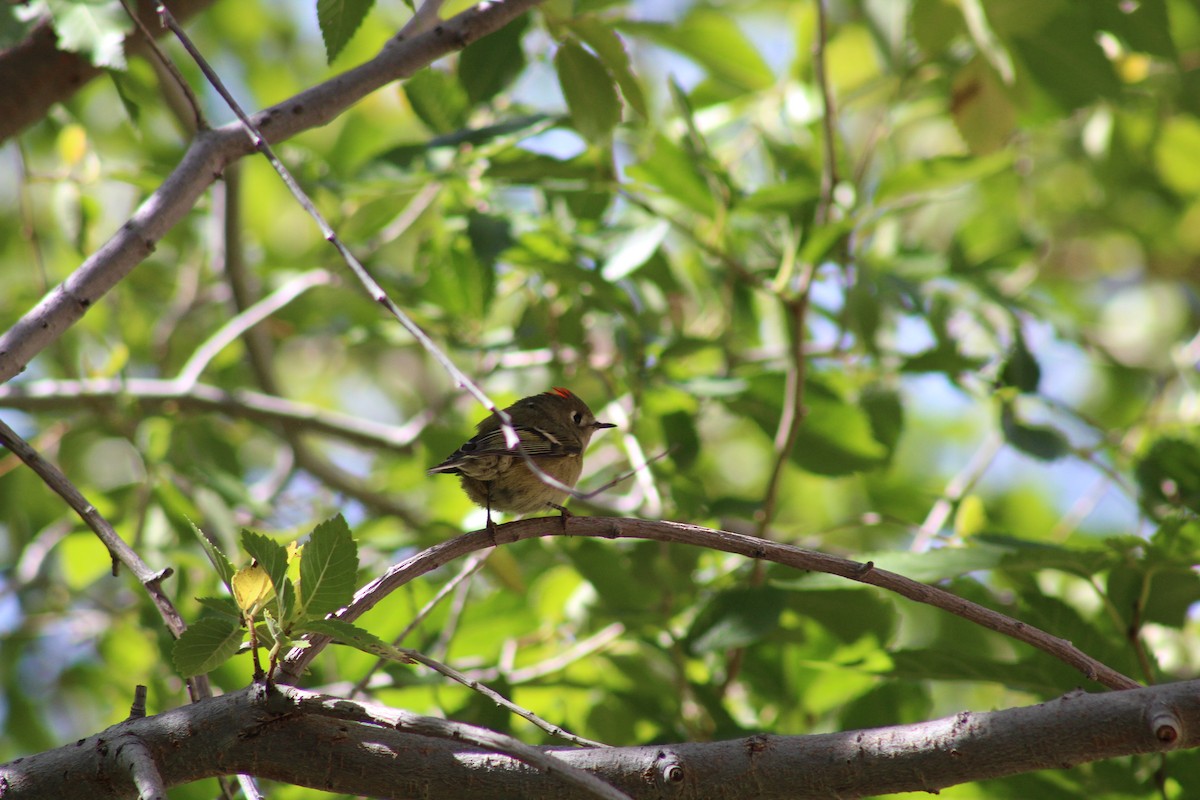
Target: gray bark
column 337, row 745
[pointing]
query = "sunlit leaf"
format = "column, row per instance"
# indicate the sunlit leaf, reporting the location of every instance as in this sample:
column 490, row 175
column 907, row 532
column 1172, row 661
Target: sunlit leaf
column 347, row 633
column 97, row 30
column 252, row 588
column 338, row 21
column 940, row 174
column 218, row 559
column 714, row 41
column 328, row 568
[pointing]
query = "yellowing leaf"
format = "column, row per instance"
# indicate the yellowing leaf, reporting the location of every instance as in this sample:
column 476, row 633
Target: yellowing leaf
column 971, row 517
column 251, row 587
column 72, row 144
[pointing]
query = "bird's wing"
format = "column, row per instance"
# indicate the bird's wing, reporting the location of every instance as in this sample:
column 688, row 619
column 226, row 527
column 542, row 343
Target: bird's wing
column 535, row 442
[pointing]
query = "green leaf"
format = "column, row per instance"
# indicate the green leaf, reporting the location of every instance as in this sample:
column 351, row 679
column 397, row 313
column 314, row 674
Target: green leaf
column 489, row 65
column 1169, row 472
column 885, row 414
column 943, row 358
column 789, row 196
column 270, row 555
column 940, row 174
column 521, row 166
column 605, row 42
column 222, row 605
column 679, row 430
column 670, row 169
column 1161, row 596
column 984, row 552
column 589, row 90
column 438, row 99
column 713, row 40
column 405, row 154
column 890, row 703
column 847, row 614
column 1145, row 27
column 97, row 30
column 1021, row 369
column 490, row 236
column 347, row 633
column 962, row 665
column 1064, row 58
column 1040, row 441
column 206, row 644
column 837, row 437
column 1175, row 155
column 634, row 250
column 736, row 618
column 219, row 559
column 338, row 20
column 328, row 568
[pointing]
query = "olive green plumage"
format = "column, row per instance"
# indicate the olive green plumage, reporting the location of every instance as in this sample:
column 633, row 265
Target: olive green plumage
column 554, row 429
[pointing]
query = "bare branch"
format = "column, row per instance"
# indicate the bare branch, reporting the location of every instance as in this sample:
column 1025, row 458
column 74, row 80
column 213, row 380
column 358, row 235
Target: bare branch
column 153, row 393
column 329, row 743
column 749, row 546
column 497, row 698
column 228, row 333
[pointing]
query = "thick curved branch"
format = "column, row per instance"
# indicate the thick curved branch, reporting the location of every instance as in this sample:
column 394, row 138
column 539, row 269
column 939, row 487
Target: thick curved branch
column 320, row 741
column 212, row 151
column 749, row 546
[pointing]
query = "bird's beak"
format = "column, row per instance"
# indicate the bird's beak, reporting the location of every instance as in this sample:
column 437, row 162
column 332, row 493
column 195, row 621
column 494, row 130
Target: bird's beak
column 599, row 425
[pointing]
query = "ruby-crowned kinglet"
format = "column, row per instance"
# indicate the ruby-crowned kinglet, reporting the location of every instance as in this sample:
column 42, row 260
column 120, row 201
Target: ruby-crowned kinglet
column 554, row 429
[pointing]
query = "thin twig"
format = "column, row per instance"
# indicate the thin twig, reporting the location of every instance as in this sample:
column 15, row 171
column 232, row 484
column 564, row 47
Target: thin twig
column 210, row 152
column 749, row 546
column 557, row 663
column 198, row 122
column 469, row 568
column 148, row 393
column 377, row 292
column 956, row 489
column 829, row 169
column 458, row 606
column 497, row 698
column 228, row 333
column 120, row 552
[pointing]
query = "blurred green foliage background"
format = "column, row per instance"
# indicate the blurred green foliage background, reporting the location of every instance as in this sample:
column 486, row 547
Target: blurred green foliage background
column 985, row 304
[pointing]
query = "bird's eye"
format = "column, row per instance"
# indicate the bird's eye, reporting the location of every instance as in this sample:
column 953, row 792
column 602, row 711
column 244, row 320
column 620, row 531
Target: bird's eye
column 578, row 417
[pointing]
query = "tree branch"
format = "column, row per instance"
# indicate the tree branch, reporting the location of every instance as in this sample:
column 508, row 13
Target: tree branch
column 291, row 737
column 749, row 546
column 212, row 151
column 164, row 394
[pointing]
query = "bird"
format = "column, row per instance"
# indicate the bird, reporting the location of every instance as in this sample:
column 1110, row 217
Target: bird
column 553, row 428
